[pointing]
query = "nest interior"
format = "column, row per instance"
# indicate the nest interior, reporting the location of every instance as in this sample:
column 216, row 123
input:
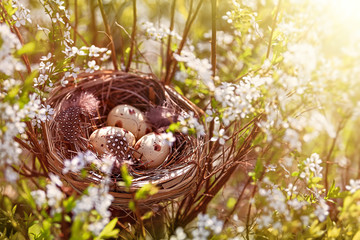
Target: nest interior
column 69, row 131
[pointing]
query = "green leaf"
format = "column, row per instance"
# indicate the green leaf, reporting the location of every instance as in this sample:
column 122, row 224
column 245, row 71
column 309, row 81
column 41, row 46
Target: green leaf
column 79, row 230
column 258, row 169
column 28, row 48
column 230, row 204
column 132, row 206
column 174, row 127
column 35, row 231
column 334, row 232
column 69, row 204
column 146, row 191
column 147, row 215
column 126, row 176
column 109, row 231
column 357, row 235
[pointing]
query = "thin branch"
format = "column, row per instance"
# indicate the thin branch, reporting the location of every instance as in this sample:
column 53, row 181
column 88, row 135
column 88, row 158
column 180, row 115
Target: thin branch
column 213, row 37
column 108, row 31
column 168, row 49
column 327, row 160
column 188, row 24
column 237, row 202
column 133, row 34
column 93, row 25
column 273, row 28
column 76, row 19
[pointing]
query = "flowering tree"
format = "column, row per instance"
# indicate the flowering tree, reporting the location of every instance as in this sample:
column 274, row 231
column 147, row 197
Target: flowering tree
column 277, row 85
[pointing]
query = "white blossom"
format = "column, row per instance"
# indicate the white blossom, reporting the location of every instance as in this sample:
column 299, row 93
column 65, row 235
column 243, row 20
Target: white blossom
column 39, row 196
column 168, row 138
column 10, row 175
column 322, row 210
column 219, row 136
column 312, row 167
column 353, row 186
column 179, row 234
column 22, row 14
column 201, row 66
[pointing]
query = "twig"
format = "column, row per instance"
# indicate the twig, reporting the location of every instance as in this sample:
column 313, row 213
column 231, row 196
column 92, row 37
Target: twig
column 140, row 53
column 213, row 37
column 168, row 49
column 93, row 22
column 190, row 20
column 237, row 202
column 76, row 19
column 273, row 28
column 133, row 34
column 327, row 160
column 108, row 31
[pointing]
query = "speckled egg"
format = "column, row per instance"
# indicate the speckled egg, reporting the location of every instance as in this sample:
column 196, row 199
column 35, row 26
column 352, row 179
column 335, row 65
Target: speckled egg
column 151, row 150
column 113, row 140
column 129, row 118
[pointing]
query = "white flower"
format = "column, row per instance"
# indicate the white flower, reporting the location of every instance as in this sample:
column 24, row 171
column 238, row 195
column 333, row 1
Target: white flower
column 10, row 175
column 188, row 120
column 296, row 204
column 293, row 138
column 201, row 66
column 200, row 234
column 160, row 33
column 290, row 190
column 106, row 164
column 219, row 135
column 55, row 196
column 180, row 76
column 77, row 163
column 168, row 138
column 305, row 220
column 205, row 222
column 55, row 180
column 264, row 221
column 97, row 226
column 97, row 198
column 322, row 210
column 237, row 99
column 179, row 234
column 21, row 15
column 312, row 167
column 353, row 186
column 9, row 44
column 39, row 196
column 92, row 66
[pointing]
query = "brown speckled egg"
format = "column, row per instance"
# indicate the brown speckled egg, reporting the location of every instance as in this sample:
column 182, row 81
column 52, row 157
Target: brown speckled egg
column 129, row 118
column 151, row 150
column 113, row 140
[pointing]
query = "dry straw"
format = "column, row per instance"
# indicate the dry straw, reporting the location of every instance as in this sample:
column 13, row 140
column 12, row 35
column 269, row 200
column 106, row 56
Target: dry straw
column 107, row 89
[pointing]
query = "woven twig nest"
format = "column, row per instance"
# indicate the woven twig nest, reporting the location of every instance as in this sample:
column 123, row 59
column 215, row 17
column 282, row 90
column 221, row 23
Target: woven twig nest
column 174, row 178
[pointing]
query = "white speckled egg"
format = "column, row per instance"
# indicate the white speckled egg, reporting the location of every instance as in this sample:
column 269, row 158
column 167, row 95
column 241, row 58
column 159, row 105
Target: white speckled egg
column 152, row 150
column 129, row 118
column 112, row 140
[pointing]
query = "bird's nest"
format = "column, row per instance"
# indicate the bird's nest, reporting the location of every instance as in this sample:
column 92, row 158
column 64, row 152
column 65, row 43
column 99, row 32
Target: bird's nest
column 83, row 106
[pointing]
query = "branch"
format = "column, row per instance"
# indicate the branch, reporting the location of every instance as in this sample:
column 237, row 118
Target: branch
column 273, row 28
column 108, row 31
column 168, row 50
column 133, row 33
